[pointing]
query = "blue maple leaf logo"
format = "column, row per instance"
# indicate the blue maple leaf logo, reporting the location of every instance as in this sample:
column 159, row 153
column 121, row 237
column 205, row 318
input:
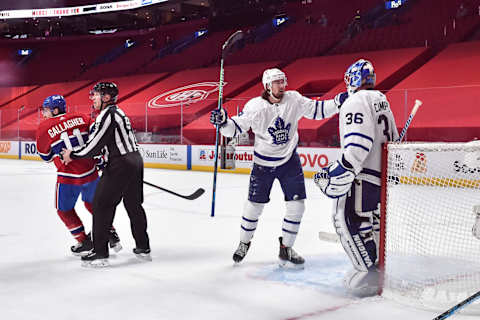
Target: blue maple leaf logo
column 280, row 133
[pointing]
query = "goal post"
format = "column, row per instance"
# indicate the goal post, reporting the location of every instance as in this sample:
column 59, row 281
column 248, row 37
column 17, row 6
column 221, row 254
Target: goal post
column 428, row 255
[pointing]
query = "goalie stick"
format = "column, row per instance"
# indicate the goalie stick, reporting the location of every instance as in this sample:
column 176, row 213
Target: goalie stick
column 417, row 105
column 192, row 196
column 328, row 237
column 227, row 47
column 457, row 307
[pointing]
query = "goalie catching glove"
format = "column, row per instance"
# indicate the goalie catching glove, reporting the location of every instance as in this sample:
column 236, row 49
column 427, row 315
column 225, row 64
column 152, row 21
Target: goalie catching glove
column 218, row 117
column 334, row 180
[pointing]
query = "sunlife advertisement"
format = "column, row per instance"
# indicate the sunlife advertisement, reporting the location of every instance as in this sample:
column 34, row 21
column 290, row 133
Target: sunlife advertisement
column 164, row 156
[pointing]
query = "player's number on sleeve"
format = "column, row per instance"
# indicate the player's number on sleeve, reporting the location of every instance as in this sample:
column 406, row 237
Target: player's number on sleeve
column 68, row 144
column 386, row 130
column 354, row 118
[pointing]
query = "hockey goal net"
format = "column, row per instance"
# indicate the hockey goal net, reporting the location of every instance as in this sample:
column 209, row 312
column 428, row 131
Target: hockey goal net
column 428, row 254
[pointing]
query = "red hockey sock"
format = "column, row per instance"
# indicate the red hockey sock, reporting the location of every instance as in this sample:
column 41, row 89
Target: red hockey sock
column 73, row 224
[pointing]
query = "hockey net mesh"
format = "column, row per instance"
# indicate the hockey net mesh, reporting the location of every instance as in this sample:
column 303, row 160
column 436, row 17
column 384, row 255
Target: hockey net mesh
column 432, row 259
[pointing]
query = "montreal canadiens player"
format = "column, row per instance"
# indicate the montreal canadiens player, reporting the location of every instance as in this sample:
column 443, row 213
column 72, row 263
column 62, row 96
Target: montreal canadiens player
column 61, row 130
column 273, row 118
column 365, row 122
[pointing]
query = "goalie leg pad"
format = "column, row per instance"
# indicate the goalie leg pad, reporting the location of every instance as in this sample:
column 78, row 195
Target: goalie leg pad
column 291, row 222
column 251, row 213
column 353, row 220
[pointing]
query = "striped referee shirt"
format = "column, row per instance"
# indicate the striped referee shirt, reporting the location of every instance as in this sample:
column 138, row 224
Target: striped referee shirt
column 112, row 136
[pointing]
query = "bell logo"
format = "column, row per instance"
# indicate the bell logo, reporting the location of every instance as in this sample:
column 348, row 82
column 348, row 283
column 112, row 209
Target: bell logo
column 184, row 95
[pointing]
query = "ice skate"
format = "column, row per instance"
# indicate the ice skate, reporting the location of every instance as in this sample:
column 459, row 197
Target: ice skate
column 94, row 260
column 114, row 240
column 289, row 258
column 241, row 252
column 142, row 254
column 362, row 284
column 82, row 248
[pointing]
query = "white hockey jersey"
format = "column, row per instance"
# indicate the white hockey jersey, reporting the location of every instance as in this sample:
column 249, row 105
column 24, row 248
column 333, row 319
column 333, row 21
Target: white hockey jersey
column 366, row 122
column 276, row 125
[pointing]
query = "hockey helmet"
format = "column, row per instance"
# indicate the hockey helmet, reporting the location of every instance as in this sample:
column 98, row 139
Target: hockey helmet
column 271, row 75
column 358, row 74
column 55, row 102
column 109, row 88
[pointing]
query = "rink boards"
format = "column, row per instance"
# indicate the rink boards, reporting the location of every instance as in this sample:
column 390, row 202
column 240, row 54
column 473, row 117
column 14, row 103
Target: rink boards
column 187, row 157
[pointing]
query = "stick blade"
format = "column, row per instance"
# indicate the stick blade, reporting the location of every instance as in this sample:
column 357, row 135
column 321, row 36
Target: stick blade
column 196, row 194
column 233, row 43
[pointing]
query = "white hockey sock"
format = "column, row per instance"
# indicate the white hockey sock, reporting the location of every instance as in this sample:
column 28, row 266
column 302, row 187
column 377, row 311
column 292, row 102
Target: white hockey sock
column 251, row 213
column 291, row 222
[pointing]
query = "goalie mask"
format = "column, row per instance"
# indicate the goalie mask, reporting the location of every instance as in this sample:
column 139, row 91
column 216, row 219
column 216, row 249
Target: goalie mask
column 359, row 74
column 271, row 75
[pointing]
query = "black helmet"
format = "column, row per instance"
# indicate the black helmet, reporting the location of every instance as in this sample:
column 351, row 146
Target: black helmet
column 106, row 88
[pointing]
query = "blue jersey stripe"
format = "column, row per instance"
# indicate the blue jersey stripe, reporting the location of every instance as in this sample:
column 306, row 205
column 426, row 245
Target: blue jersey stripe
column 237, row 126
column 266, row 158
column 246, row 229
column 292, row 222
column 323, row 110
column 357, row 145
column 249, row 219
column 316, row 109
column 288, row 231
column 359, row 135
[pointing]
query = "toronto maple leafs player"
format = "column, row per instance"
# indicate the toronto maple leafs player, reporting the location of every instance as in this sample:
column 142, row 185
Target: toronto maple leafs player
column 273, row 118
column 366, row 122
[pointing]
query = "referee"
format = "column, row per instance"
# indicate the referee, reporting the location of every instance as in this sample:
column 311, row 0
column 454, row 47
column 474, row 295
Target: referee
column 122, row 178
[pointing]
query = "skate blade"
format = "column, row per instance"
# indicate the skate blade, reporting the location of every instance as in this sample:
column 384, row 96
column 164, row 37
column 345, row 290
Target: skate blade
column 99, row 263
column 143, row 256
column 285, row 264
column 81, row 254
column 116, row 247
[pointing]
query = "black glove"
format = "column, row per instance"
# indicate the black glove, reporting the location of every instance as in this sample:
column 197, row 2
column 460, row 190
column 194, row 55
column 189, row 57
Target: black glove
column 218, row 117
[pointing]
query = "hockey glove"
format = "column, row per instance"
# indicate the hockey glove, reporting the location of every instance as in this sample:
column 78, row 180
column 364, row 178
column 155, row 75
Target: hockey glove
column 218, row 117
column 335, row 180
column 340, row 99
column 100, row 163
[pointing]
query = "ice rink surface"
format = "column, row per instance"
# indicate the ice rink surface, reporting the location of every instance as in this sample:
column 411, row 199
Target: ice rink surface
column 192, row 275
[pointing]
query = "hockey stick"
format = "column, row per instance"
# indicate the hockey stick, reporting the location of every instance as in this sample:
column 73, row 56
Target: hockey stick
column 328, row 237
column 457, row 307
column 417, row 105
column 226, row 48
column 192, row 196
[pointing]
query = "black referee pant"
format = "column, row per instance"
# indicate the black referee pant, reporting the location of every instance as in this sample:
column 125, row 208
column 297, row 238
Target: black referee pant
column 121, row 179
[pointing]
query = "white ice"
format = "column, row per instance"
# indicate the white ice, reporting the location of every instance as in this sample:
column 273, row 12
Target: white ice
column 192, row 275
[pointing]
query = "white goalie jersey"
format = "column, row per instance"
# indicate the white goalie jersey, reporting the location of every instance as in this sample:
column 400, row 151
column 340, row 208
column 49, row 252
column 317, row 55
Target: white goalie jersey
column 276, row 125
column 366, row 122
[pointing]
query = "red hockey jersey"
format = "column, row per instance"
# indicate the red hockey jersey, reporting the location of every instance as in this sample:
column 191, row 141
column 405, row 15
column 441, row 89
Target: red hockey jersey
column 69, row 131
